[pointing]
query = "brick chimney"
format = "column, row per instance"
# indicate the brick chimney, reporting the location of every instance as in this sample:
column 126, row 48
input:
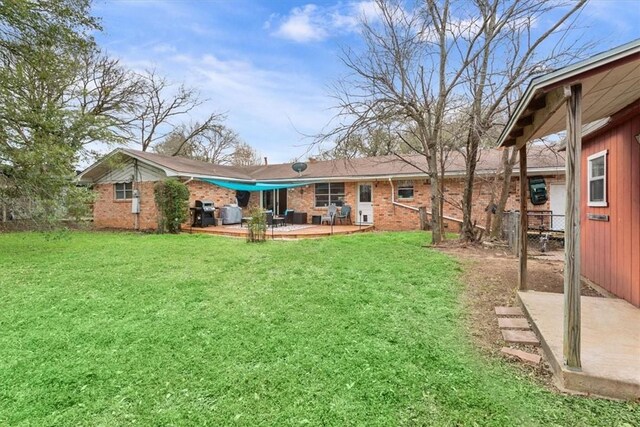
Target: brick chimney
column 266, row 162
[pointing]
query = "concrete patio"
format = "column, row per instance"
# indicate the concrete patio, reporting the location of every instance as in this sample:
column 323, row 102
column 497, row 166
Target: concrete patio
column 610, row 343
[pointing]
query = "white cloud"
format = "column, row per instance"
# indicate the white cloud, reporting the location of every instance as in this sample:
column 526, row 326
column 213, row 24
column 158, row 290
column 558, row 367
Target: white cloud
column 164, row 48
column 302, row 25
column 270, row 108
column 311, row 23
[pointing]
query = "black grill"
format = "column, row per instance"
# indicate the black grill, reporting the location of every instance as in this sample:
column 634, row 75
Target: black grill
column 203, row 214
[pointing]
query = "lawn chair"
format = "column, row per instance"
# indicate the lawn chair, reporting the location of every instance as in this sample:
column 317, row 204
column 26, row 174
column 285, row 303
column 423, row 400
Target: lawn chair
column 345, row 214
column 330, row 216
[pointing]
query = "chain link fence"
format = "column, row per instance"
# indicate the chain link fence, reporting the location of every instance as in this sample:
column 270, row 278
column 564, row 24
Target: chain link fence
column 545, row 231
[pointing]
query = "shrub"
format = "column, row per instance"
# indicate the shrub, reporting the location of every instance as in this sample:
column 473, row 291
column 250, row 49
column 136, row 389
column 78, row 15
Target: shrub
column 172, row 201
column 257, row 226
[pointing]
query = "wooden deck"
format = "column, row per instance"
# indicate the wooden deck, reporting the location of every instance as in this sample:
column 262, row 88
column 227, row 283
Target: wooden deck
column 284, row 233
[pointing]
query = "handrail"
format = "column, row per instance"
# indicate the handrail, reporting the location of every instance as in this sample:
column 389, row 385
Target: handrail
column 393, row 201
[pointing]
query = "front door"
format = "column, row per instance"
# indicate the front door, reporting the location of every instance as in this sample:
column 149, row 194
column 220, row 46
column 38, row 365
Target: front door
column 364, row 213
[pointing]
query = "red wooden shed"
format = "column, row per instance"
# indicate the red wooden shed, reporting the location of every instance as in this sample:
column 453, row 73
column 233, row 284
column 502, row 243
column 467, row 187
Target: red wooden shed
column 610, row 208
column 602, row 233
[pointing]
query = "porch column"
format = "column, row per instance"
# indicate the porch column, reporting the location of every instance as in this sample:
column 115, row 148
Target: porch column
column 522, row 239
column 571, row 342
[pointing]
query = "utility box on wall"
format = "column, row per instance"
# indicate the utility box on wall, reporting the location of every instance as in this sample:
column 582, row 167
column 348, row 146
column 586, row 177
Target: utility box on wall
column 538, row 190
column 135, row 202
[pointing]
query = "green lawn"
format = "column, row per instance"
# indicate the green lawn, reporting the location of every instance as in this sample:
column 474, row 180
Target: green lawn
column 119, row 329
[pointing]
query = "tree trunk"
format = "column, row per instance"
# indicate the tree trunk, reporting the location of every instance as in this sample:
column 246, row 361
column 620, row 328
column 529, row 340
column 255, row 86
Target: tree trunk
column 508, row 161
column 487, row 224
column 436, row 197
column 468, row 229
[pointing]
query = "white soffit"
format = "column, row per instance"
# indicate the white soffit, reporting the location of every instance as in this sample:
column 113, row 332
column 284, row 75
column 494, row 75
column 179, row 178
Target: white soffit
column 610, row 81
column 602, row 95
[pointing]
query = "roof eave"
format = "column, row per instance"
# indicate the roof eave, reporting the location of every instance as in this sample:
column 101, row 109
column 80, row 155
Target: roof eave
column 549, row 81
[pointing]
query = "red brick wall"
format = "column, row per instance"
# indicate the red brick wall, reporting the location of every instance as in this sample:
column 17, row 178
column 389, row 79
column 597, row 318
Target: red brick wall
column 109, row 213
column 388, row 216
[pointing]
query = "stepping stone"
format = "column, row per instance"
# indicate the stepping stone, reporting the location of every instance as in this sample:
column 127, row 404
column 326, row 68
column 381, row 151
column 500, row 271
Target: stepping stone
column 513, row 323
column 520, row 337
column 509, row 311
column 530, row 358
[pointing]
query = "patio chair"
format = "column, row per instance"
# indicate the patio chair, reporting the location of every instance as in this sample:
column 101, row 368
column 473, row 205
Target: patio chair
column 288, row 216
column 345, row 214
column 330, row 216
column 269, row 218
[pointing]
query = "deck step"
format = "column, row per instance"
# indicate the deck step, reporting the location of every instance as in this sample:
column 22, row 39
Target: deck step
column 513, row 323
column 520, row 337
column 509, row 311
column 530, row 358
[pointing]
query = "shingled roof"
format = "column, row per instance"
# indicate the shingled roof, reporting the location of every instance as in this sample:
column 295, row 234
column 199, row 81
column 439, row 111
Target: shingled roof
column 540, row 159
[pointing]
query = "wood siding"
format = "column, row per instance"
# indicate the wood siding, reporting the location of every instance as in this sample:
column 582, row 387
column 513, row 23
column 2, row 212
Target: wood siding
column 124, row 172
column 611, row 249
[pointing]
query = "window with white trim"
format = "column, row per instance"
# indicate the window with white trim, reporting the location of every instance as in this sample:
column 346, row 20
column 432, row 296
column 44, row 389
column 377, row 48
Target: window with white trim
column 597, row 179
column 123, row 190
column 405, row 189
column 328, row 193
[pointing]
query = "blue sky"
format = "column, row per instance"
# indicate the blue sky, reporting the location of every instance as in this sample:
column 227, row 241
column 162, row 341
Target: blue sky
column 270, row 64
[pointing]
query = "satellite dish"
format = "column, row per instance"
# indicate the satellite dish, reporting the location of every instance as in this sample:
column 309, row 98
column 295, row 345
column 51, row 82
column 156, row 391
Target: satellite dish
column 299, row 167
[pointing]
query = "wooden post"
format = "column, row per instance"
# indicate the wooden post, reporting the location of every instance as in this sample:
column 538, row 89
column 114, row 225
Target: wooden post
column 571, row 342
column 424, row 220
column 522, row 238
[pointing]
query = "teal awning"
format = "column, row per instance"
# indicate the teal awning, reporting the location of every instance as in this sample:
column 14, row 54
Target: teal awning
column 258, row 186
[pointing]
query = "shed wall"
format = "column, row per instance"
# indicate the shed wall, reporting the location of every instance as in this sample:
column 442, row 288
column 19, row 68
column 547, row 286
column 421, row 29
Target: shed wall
column 611, row 249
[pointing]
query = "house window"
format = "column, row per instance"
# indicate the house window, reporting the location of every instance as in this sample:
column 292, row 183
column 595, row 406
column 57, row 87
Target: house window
column 597, row 175
column 123, row 191
column 328, row 193
column 405, row 190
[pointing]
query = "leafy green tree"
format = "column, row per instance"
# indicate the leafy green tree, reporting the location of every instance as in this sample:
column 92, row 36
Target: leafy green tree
column 41, row 42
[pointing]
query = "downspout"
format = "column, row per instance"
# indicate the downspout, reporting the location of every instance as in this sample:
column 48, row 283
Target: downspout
column 136, row 220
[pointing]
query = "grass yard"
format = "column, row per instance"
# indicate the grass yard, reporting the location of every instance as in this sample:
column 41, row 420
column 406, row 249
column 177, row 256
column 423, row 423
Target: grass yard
column 118, row 329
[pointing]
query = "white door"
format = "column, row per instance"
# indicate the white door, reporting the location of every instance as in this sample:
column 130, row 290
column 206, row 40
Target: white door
column 364, row 214
column 557, row 201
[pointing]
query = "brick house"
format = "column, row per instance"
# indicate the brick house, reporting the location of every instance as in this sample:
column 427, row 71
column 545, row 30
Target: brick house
column 384, row 191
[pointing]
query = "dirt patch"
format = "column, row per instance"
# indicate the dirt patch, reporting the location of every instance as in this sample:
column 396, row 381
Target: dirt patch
column 491, row 278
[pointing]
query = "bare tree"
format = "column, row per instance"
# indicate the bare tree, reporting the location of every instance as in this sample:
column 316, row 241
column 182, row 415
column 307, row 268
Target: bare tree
column 216, row 144
column 443, row 60
column 245, row 155
column 163, row 108
column 389, row 82
column 105, row 98
column 379, row 140
column 503, row 177
column 505, row 53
